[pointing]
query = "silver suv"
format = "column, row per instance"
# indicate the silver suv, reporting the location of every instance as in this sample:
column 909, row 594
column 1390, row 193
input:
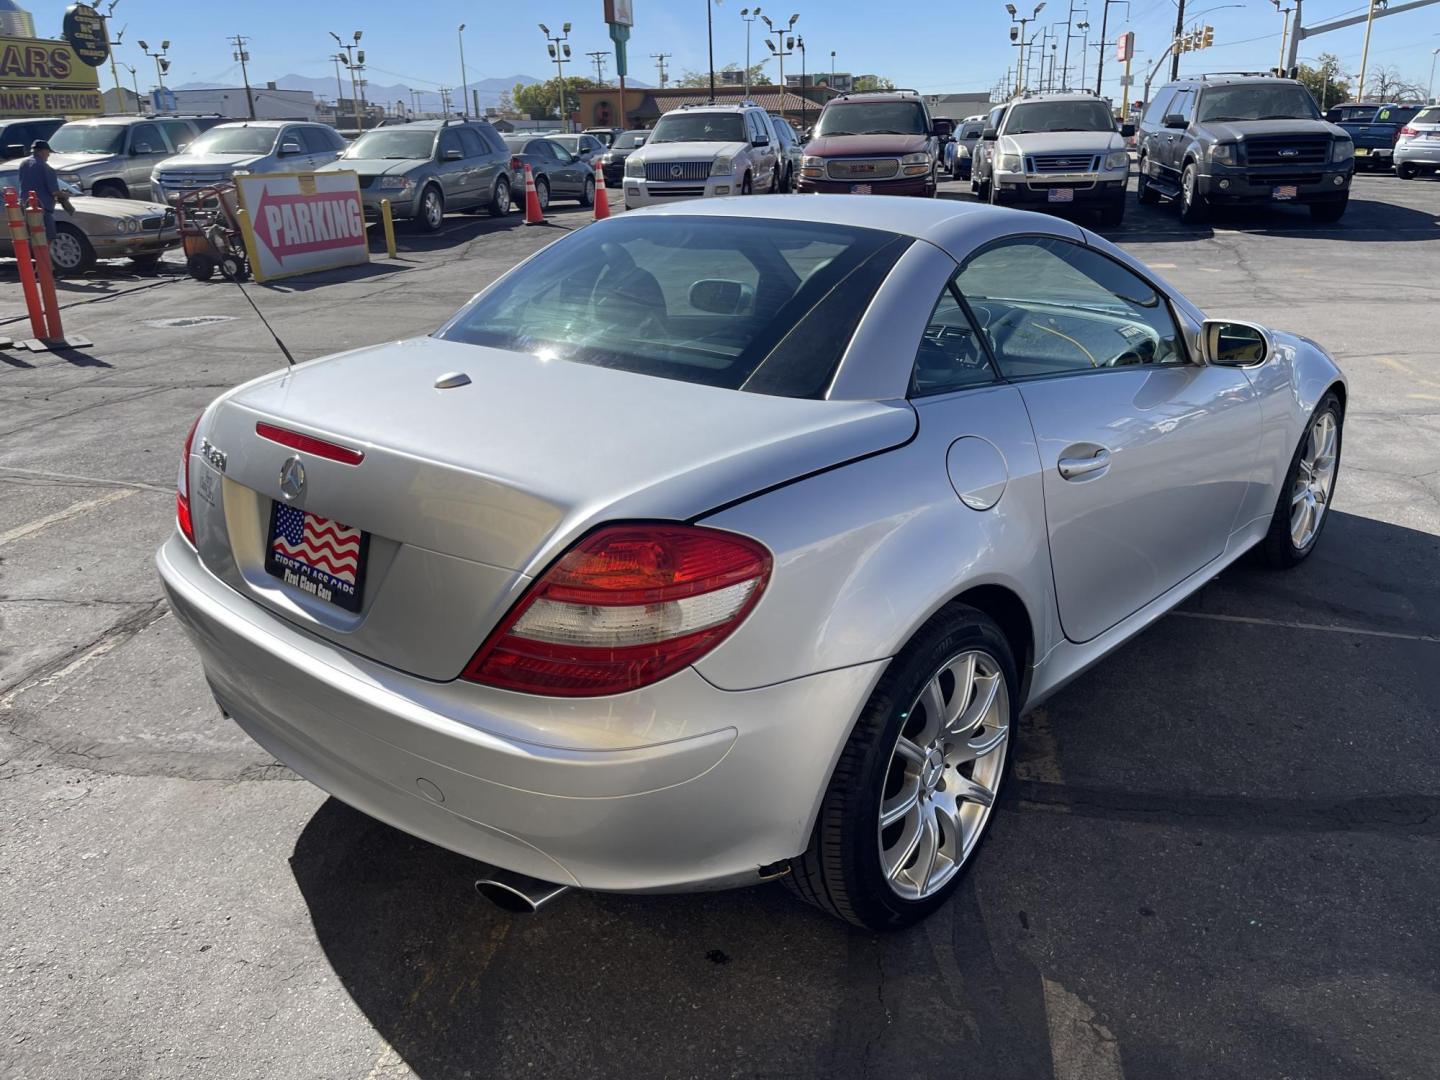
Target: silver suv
column 114, row 155
column 1056, row 151
column 701, row 150
column 249, row 146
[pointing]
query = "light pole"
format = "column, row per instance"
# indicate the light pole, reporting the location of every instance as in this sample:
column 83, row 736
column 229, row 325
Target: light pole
column 786, row 47
column 1365, row 52
column 804, row 101
column 339, row 87
column 1105, row 42
column 354, row 62
column 1069, row 33
column 112, row 42
column 832, row 69
column 748, row 16
column 1284, row 32
column 559, row 47
column 1021, row 42
column 1084, row 28
column 464, row 85
column 162, row 65
column 135, row 82
column 1430, row 86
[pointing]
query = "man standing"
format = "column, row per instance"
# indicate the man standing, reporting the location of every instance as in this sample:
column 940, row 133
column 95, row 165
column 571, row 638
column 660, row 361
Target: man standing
column 37, row 175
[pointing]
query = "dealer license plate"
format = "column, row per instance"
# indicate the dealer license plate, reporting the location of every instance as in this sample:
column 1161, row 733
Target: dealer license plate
column 859, row 189
column 1286, row 191
column 1062, row 194
column 317, row 556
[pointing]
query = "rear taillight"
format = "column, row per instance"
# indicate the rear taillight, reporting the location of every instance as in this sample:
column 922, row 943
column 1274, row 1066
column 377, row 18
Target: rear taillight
column 1406, row 133
column 516, row 164
column 182, row 488
column 626, row 607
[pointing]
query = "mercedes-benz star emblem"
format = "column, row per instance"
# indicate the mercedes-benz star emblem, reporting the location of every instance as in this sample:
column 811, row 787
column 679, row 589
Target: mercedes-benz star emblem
column 292, row 478
column 676, row 171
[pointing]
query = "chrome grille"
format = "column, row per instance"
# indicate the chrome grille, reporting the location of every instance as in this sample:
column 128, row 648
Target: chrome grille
column 1063, row 163
column 678, row 192
column 677, row 171
column 191, row 181
column 862, row 168
column 1288, row 150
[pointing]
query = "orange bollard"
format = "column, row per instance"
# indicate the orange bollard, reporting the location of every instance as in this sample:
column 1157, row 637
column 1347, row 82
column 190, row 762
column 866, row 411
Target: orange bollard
column 533, row 216
column 602, row 200
column 40, row 244
column 20, row 240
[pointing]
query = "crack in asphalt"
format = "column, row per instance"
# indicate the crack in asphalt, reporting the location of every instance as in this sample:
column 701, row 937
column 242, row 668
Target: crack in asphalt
column 116, row 634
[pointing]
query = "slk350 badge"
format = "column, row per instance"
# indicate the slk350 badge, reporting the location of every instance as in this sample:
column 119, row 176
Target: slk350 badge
column 213, row 454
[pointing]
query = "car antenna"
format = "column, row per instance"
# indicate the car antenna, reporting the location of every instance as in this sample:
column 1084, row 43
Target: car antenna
column 241, row 285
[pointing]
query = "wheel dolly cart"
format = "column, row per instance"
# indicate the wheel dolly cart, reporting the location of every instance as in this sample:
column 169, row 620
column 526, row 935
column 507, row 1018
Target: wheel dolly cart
column 210, row 233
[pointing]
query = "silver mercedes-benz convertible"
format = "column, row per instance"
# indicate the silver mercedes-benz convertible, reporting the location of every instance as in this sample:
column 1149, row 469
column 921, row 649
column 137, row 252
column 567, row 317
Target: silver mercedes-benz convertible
column 728, row 541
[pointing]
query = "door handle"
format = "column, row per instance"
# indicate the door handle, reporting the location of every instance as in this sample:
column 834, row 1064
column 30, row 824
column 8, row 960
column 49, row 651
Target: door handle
column 1075, row 467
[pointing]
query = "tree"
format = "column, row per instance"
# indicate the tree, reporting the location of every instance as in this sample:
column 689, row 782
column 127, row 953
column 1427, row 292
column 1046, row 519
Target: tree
column 506, row 106
column 538, row 100
column 873, row 82
column 701, row 79
column 1325, row 83
column 1387, row 84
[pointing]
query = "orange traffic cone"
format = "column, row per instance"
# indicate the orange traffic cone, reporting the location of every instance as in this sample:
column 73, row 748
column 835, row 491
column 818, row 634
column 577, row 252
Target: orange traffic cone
column 602, row 200
column 533, row 216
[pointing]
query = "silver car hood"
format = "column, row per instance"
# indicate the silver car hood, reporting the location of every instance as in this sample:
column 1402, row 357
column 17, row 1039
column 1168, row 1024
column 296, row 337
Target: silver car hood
column 690, row 151
column 1063, row 142
column 71, row 162
column 373, row 166
column 208, row 162
column 485, row 484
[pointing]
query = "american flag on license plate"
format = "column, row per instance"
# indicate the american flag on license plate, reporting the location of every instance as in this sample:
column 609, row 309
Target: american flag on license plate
column 318, row 542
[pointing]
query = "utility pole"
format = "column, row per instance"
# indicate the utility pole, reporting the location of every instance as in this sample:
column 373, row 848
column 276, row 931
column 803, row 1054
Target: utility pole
column 1284, row 30
column 244, row 58
column 710, row 44
column 445, row 101
column 748, row 16
column 1069, row 31
column 1105, row 42
column 464, row 82
column 660, row 58
column 339, row 87
column 804, row 101
column 1365, row 52
column 786, row 46
column 598, row 58
column 110, row 44
column 559, row 47
column 134, row 81
column 1179, row 29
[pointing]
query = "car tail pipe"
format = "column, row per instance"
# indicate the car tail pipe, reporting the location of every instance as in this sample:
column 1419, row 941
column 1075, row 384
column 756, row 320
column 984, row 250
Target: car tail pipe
column 517, row 892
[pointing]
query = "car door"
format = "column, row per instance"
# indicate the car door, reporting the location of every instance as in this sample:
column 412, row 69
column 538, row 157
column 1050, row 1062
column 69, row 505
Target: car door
column 147, row 145
column 561, row 169
column 1145, row 454
column 450, row 167
column 322, row 151
column 763, row 146
column 481, row 166
column 1174, row 140
column 1153, row 133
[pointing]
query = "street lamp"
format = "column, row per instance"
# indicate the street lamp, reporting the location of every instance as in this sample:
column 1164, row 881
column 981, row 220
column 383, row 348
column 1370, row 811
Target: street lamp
column 1284, row 32
column 1020, row 40
column 786, row 46
column 748, row 16
column 559, row 46
column 1430, row 86
column 162, row 65
column 1084, row 28
column 135, row 82
column 354, row 61
column 804, row 101
column 464, row 89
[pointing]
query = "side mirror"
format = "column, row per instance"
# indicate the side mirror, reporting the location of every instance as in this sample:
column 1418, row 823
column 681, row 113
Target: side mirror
column 989, row 135
column 287, row 149
column 1175, row 120
column 142, row 148
column 762, row 140
column 721, row 297
column 943, row 129
column 1127, row 130
column 1237, row 344
column 451, row 155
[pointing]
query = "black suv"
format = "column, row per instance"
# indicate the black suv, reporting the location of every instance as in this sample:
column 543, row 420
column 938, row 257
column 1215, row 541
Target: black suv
column 1248, row 139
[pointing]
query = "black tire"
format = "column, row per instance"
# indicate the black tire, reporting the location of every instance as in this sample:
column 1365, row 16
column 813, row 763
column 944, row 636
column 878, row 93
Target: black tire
column 110, row 189
column 1329, row 212
column 587, row 194
column 1193, row 209
column 500, row 198
column 1406, row 171
column 1278, row 549
column 788, row 184
column 201, row 267
column 840, row 871
column 71, row 253
column 234, row 268
column 542, row 193
column 1113, row 216
column 992, row 194
column 747, row 186
column 431, row 214
column 1145, row 195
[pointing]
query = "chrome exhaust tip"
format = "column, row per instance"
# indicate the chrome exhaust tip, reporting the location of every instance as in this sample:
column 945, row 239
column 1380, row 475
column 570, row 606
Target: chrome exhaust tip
column 516, row 892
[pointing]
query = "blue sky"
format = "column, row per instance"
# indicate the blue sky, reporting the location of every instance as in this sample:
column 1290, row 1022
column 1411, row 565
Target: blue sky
column 933, row 45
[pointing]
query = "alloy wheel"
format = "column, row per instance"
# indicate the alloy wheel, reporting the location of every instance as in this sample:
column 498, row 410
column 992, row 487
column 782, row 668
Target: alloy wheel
column 1314, row 477
column 434, row 211
column 943, row 775
column 65, row 252
column 502, row 198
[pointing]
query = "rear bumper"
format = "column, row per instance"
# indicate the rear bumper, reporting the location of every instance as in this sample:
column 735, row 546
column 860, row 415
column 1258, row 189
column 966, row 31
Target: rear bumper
column 591, row 798
column 1312, row 183
column 1425, row 153
column 922, row 186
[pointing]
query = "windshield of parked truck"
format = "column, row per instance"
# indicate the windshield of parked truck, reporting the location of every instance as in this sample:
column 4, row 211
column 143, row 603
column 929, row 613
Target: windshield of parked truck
column 699, row 127
column 89, row 139
column 1257, row 101
column 392, row 144
column 871, row 118
column 243, row 140
column 629, row 140
column 1027, row 118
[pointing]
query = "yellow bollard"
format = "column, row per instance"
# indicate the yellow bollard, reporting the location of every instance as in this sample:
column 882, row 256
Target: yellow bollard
column 389, row 222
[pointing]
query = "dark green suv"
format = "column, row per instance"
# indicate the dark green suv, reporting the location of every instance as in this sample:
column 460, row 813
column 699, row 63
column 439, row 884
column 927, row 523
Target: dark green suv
column 1251, row 139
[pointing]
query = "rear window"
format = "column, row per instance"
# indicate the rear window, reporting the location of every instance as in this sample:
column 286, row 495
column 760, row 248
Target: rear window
column 1428, row 116
column 760, row 305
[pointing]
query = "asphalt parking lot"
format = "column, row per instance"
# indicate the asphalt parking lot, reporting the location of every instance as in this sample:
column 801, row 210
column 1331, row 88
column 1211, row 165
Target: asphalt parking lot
column 1219, row 855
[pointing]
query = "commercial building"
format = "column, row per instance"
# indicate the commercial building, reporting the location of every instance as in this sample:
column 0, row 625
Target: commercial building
column 270, row 103
column 600, row 106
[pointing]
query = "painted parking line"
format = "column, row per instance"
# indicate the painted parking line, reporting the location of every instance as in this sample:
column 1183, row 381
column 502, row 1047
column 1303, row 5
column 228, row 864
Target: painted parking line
column 1285, row 624
column 73, row 511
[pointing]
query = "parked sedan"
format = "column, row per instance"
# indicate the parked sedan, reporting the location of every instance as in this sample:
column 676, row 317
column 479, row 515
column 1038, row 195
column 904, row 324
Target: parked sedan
column 587, row 148
column 102, row 228
column 558, row 173
column 728, row 540
column 613, row 163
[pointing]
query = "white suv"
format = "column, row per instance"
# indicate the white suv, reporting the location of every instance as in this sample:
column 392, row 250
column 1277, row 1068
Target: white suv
column 701, row 150
column 1057, row 151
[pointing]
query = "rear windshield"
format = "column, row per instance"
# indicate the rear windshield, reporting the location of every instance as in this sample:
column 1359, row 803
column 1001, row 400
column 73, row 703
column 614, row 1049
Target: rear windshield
column 699, row 127
column 628, row 140
column 246, row 140
column 1059, row 116
column 872, row 118
column 1257, row 101
column 746, row 304
column 1428, row 116
column 392, row 144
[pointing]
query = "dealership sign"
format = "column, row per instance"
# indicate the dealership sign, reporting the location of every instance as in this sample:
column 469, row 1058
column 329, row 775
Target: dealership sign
column 84, row 29
column 303, row 222
column 45, row 78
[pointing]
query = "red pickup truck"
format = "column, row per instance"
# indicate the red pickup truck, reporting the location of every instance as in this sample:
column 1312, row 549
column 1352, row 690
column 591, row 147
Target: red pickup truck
column 882, row 143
